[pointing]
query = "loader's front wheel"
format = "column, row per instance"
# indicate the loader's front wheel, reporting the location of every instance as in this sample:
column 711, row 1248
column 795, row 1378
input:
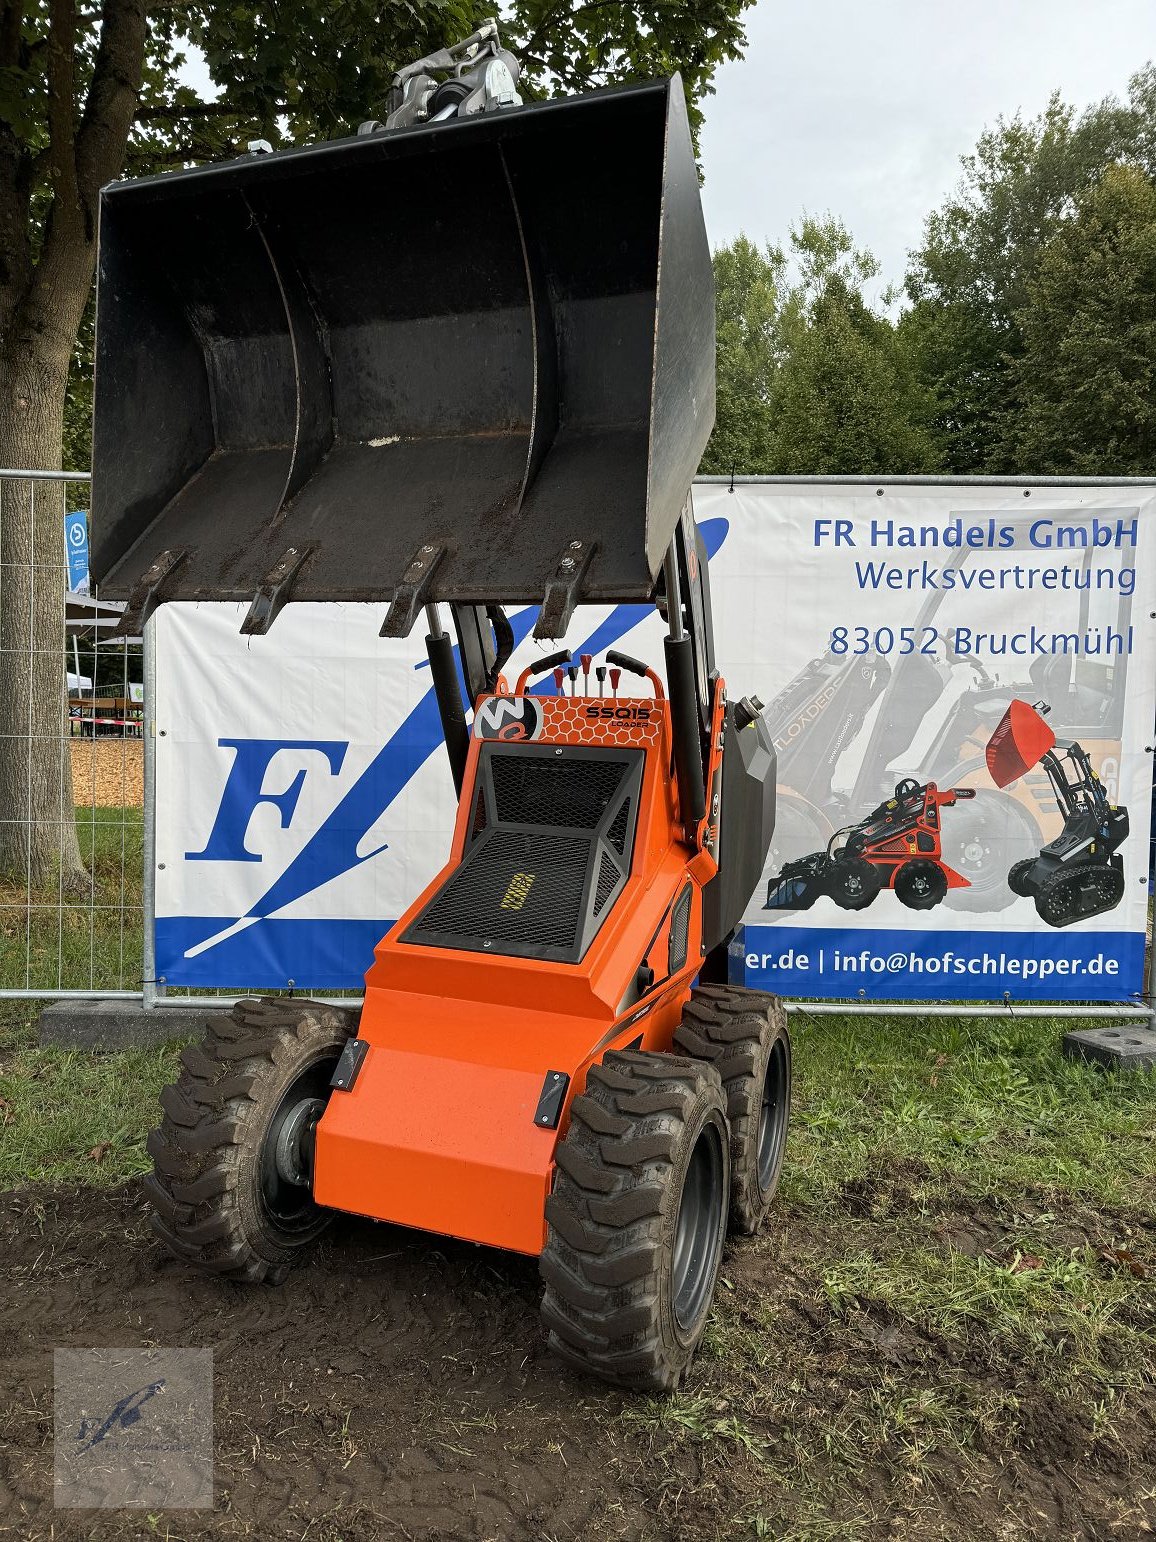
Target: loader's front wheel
column 637, row 1219
column 743, row 1034
column 232, row 1160
column 920, row 884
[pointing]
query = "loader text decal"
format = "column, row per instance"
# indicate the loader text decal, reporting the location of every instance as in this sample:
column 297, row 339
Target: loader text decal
column 516, row 895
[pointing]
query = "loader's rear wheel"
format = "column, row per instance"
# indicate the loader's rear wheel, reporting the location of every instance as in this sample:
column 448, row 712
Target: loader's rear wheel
column 743, row 1034
column 232, row 1160
column 920, row 884
column 637, row 1219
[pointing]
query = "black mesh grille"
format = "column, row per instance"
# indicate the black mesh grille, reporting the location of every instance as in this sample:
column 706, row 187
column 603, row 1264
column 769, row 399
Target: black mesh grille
column 538, row 892
column 569, row 792
column 679, row 928
column 516, row 887
column 608, row 877
column 616, row 834
column 479, row 823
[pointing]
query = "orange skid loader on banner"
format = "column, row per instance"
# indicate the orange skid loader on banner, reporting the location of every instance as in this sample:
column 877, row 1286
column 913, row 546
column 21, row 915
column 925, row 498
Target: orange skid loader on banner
column 413, row 365
column 899, row 846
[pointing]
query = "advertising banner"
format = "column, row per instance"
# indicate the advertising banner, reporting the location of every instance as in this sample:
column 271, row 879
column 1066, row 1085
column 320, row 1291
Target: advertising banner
column 960, row 681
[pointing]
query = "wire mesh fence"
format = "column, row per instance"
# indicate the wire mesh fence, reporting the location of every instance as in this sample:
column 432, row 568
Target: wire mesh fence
column 72, row 797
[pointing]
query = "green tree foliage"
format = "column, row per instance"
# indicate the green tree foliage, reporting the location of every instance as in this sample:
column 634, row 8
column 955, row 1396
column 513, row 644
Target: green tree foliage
column 301, row 69
column 1085, row 380
column 749, row 284
column 847, row 399
column 811, row 378
column 970, row 284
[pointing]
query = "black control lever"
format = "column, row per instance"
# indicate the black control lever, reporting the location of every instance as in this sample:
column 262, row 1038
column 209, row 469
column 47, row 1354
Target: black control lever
column 624, row 661
column 540, row 667
column 563, row 656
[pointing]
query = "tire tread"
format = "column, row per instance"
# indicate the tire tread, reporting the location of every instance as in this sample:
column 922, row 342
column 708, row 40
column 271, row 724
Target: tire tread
column 207, row 1112
column 606, row 1216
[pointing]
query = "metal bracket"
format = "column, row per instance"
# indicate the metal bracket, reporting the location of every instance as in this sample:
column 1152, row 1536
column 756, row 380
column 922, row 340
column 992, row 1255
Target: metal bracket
column 562, row 591
column 347, row 1068
column 410, row 595
column 274, row 591
column 549, row 1109
column 147, row 592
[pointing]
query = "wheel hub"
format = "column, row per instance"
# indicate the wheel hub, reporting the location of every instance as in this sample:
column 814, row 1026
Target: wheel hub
column 293, row 1146
column 701, row 1215
column 773, row 1113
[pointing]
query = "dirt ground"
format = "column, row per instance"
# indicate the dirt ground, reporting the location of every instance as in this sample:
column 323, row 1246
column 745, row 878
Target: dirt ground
column 107, row 772
column 396, row 1387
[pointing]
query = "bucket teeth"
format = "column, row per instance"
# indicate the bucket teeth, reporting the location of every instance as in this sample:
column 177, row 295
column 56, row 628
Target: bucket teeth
column 412, row 592
column 274, row 592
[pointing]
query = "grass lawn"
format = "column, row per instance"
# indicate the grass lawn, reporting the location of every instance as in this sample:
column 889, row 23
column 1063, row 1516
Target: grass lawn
column 962, row 1267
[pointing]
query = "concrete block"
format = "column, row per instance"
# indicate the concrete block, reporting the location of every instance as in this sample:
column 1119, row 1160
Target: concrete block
column 95, row 1025
column 1128, row 1046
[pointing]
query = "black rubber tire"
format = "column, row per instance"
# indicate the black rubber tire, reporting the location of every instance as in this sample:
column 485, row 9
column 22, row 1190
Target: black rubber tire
column 743, row 1034
column 853, row 883
column 1016, row 875
column 208, row 1189
column 920, row 884
column 643, row 1124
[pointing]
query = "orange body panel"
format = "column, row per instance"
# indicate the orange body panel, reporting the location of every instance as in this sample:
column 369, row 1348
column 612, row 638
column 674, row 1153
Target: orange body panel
column 438, row 1130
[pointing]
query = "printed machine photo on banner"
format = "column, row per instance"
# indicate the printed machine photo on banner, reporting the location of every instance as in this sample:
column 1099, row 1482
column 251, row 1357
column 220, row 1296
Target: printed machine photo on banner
column 932, row 710
column 921, row 794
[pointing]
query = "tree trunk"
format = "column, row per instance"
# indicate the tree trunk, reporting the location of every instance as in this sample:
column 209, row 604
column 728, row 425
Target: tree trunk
column 44, row 284
column 38, row 839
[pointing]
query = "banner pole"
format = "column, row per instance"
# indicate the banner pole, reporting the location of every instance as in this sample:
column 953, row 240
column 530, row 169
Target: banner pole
column 149, row 987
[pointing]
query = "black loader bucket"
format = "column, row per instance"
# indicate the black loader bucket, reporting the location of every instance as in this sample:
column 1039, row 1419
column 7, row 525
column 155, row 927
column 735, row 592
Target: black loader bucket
column 799, row 885
column 465, row 362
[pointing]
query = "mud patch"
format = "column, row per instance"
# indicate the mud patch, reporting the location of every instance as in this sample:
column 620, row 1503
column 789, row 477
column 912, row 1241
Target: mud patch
column 397, row 1387
column 392, row 1387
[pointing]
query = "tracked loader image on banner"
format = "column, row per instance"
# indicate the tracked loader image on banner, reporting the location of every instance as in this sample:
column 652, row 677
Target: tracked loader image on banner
column 964, row 776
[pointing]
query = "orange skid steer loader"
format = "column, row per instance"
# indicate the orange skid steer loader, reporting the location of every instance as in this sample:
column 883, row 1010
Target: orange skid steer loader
column 467, row 359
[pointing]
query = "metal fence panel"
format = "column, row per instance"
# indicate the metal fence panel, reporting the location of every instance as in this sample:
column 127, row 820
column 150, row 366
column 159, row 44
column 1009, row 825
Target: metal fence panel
column 72, row 917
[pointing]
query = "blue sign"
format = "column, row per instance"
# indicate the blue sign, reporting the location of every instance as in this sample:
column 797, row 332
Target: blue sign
column 849, row 963
column 76, row 550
